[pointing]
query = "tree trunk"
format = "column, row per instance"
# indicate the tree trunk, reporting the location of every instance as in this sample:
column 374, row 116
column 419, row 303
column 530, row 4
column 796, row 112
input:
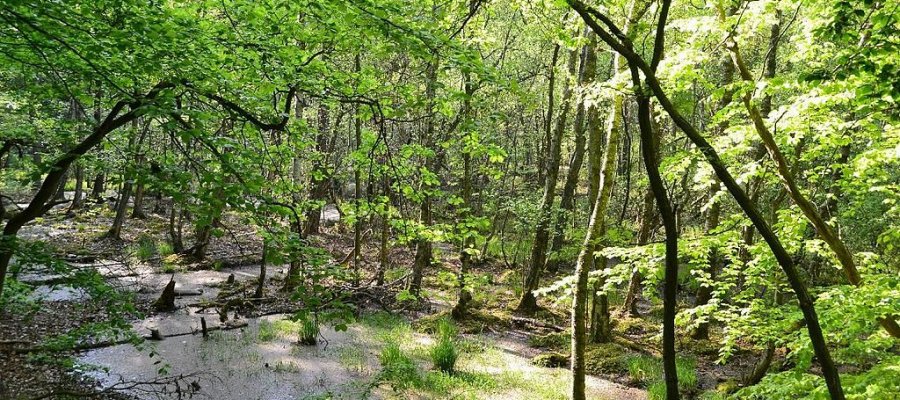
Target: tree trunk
column 60, row 194
column 704, row 294
column 37, row 206
column 357, row 190
column 319, row 176
column 423, row 244
column 528, row 303
column 99, row 186
column 651, row 162
column 137, row 211
column 115, row 231
column 634, row 283
column 586, row 76
column 78, row 198
column 175, row 237
column 261, row 281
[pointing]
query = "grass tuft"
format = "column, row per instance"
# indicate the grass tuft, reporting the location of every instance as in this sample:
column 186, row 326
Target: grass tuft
column 444, row 353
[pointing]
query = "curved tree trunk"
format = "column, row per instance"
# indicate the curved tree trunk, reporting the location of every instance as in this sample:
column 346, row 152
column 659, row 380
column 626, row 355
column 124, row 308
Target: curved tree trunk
column 37, row 206
column 825, row 231
column 650, row 155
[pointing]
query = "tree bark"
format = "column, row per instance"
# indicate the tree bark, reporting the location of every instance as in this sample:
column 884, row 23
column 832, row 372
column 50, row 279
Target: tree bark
column 319, row 176
column 78, row 198
column 586, row 76
column 98, row 188
column 423, row 244
column 115, row 231
column 528, row 302
column 651, row 161
column 634, row 283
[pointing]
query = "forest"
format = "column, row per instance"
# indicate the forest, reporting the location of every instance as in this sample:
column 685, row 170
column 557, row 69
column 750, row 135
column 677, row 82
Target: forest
column 449, row 199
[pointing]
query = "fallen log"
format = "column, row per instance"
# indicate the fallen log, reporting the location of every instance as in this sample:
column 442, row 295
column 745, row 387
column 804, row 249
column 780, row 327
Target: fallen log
column 522, row 322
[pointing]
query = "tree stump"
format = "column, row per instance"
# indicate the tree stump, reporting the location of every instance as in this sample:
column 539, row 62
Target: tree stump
column 166, row 301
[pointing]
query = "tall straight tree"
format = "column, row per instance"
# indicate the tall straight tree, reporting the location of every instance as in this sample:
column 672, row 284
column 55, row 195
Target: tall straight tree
column 538, row 260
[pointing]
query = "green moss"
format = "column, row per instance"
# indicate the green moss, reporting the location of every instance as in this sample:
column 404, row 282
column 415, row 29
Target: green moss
column 552, row 341
column 635, row 326
column 475, row 321
column 605, row 359
column 729, row 386
column 550, row 360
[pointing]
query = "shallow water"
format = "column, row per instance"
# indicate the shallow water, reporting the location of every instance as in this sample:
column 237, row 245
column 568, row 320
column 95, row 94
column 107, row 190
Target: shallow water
column 240, row 364
column 236, row 364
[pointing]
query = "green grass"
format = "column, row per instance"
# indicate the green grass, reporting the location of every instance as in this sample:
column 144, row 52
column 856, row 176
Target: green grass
column 164, row 249
column 444, row 353
column 309, row 331
column 266, row 332
column 644, row 369
column 649, row 371
column 385, row 327
column 145, row 248
column 397, row 368
column 352, row 358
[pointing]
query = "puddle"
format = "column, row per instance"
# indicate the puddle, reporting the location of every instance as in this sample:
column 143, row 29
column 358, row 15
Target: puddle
column 240, row 364
column 58, row 293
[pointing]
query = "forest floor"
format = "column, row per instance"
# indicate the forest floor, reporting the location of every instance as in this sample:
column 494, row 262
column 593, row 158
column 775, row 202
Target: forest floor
column 253, row 353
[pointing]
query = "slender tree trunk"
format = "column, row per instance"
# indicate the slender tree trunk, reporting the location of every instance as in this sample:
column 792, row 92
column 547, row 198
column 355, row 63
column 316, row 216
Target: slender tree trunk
column 357, row 190
column 602, row 169
column 634, row 283
column 704, row 293
column 115, row 231
column 601, row 331
column 423, row 244
column 296, row 225
column 587, row 72
column 383, row 248
column 78, row 198
column 261, row 281
column 318, row 179
column 468, row 242
column 528, row 302
column 175, row 237
column 651, row 162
